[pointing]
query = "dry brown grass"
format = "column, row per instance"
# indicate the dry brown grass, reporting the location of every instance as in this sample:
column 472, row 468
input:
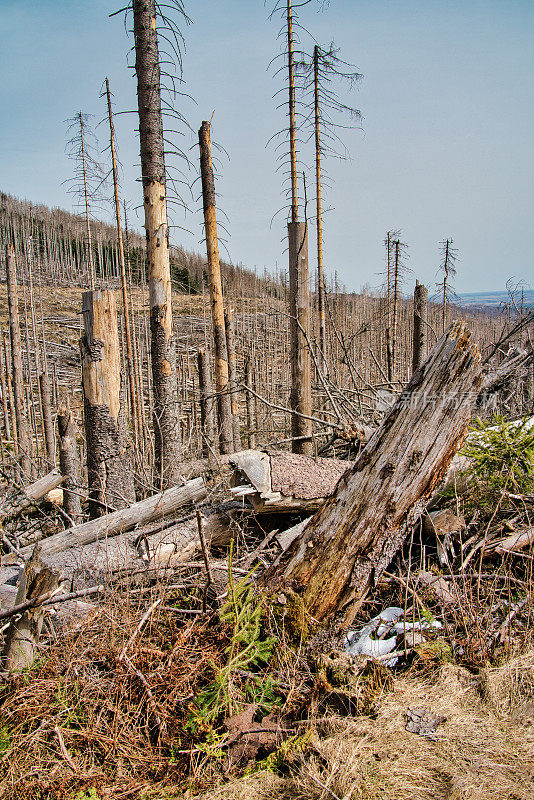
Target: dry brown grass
column 485, row 749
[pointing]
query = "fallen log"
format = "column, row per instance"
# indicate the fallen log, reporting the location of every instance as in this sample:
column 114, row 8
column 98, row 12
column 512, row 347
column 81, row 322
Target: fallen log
column 29, row 495
column 517, row 541
column 145, row 511
column 346, row 546
column 281, row 482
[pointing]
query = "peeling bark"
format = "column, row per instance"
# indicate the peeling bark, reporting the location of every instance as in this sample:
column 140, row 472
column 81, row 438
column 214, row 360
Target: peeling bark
column 109, row 469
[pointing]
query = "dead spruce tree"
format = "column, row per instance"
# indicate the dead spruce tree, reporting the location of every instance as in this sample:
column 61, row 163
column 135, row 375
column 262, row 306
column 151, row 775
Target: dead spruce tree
column 444, row 288
column 396, row 271
column 147, row 67
column 224, row 404
column 320, row 74
column 23, row 434
column 87, row 181
column 122, row 264
column 299, row 282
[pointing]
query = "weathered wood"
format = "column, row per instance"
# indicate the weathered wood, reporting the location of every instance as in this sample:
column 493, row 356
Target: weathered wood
column 517, row 541
column 179, row 543
column 207, row 417
column 22, row 637
column 23, row 435
column 69, row 462
column 109, row 469
column 155, row 507
column 162, row 346
column 420, row 324
column 299, row 309
column 232, row 375
column 224, row 407
column 29, row 495
column 351, row 540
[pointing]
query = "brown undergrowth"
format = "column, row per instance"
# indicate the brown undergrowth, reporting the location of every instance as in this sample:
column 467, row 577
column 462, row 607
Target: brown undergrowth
column 483, row 750
column 102, row 712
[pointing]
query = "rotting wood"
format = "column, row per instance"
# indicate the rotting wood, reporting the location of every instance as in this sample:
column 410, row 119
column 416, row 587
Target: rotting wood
column 22, row 637
column 345, row 547
column 162, row 345
column 224, row 406
column 69, row 462
column 109, row 468
column 277, row 481
column 155, row 507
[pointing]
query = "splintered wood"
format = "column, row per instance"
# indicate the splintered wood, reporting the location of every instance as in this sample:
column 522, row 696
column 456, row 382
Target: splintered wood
column 351, row 540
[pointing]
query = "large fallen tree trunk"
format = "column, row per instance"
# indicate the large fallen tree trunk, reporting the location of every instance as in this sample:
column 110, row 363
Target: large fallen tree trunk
column 145, row 511
column 348, row 543
column 29, row 495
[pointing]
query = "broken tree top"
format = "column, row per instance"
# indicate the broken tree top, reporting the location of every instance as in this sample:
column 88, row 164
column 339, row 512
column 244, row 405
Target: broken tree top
column 279, row 481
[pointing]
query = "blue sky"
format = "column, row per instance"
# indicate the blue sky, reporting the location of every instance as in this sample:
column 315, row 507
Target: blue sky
column 445, row 148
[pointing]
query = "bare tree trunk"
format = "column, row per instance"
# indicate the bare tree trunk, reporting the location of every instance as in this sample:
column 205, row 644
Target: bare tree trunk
column 11, row 397
column 48, row 425
column 109, row 472
column 207, row 418
column 69, row 462
column 224, row 405
column 292, row 122
column 4, row 389
column 91, row 264
column 16, row 359
column 155, row 507
column 420, row 323
column 352, row 539
column 122, row 263
column 319, row 213
column 166, row 428
column 299, row 300
column 232, row 375
column 252, row 423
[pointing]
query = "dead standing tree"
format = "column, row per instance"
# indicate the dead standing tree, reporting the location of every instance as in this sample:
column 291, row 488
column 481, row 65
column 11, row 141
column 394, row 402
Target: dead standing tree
column 88, row 178
column 319, row 73
column 122, row 264
column 224, row 405
column 420, row 324
column 109, row 471
column 299, row 281
column 23, row 435
column 346, row 546
column 445, row 288
column 147, row 67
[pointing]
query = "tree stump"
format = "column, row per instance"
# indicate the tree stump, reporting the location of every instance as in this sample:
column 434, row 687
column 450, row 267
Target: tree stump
column 348, row 543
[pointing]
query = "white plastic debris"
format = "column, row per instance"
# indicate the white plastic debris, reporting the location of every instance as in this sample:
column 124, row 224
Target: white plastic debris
column 361, row 643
